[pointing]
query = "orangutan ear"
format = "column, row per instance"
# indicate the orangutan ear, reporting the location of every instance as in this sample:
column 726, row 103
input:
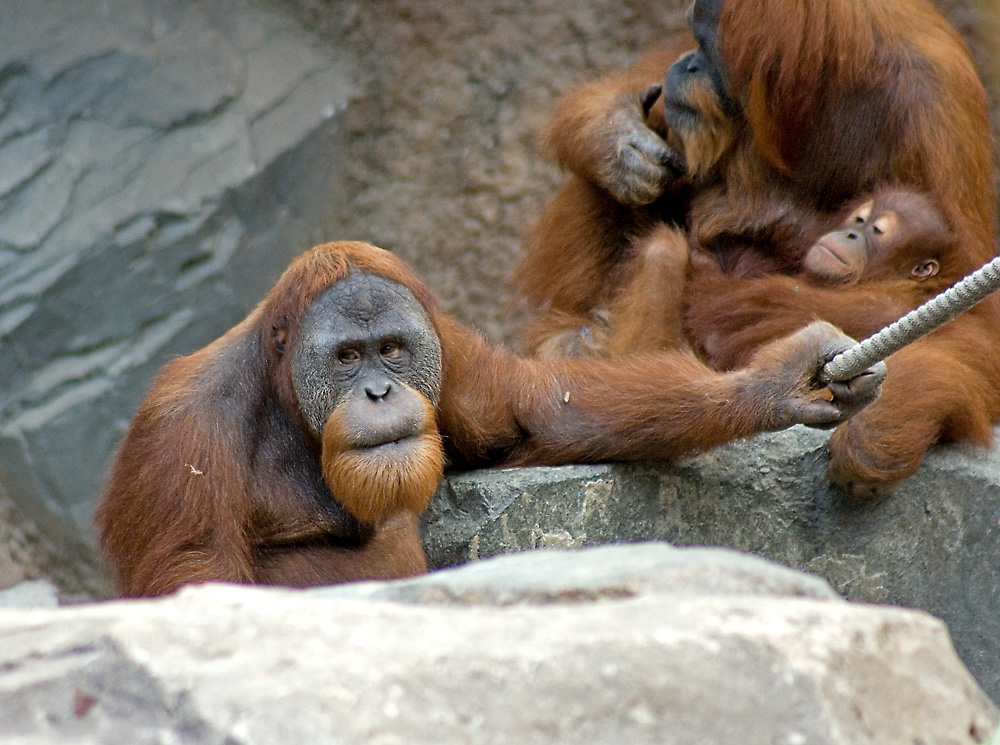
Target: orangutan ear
column 279, row 333
column 925, row 270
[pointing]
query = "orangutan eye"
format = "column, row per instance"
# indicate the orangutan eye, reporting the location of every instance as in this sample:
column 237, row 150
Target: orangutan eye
column 390, row 351
column 863, row 213
column 348, row 356
column 886, row 224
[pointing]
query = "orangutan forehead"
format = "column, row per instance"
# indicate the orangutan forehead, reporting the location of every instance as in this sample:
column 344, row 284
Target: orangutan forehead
column 365, row 299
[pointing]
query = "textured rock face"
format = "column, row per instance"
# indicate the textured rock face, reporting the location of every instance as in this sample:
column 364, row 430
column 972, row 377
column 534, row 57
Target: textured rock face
column 934, row 544
column 160, row 163
column 625, row 644
column 978, row 21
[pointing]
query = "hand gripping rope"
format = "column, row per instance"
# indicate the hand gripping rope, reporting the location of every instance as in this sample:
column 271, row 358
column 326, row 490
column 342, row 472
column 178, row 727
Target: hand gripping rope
column 938, row 310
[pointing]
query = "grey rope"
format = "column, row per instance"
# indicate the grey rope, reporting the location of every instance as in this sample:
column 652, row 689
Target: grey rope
column 938, row 310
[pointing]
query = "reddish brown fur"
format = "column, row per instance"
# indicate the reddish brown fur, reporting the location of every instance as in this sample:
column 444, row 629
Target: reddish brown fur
column 646, row 313
column 759, row 309
column 185, row 502
column 393, row 551
column 374, row 486
column 574, row 259
column 837, row 99
column 218, row 478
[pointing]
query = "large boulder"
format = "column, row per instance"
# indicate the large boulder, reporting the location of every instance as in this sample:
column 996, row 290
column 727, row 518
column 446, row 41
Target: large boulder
column 643, row 644
column 934, row 544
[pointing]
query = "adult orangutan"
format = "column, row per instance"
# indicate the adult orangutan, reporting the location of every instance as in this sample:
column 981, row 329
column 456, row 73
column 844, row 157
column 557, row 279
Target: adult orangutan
column 785, row 112
column 301, row 447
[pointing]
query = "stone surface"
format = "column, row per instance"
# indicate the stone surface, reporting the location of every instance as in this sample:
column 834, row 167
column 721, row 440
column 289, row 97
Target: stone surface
column 607, row 573
column 934, row 544
column 32, row 594
column 660, row 654
column 978, row 21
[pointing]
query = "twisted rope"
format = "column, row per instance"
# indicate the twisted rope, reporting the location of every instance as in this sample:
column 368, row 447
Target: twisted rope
column 938, row 310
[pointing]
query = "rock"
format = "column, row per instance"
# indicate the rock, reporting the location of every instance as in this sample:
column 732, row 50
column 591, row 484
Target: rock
column 161, row 162
column 610, row 572
column 35, row 594
column 666, row 660
column 934, row 544
column 26, row 554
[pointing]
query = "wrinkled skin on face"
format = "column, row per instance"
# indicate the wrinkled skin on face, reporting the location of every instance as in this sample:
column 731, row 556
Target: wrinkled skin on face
column 365, row 339
column 366, row 370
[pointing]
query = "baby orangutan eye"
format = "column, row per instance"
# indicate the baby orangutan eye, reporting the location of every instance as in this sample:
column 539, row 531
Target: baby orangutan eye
column 886, row 224
column 863, row 213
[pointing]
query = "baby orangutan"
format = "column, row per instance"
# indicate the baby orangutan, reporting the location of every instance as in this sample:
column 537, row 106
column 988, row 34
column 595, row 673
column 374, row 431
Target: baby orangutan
column 892, row 252
column 898, row 234
column 889, row 246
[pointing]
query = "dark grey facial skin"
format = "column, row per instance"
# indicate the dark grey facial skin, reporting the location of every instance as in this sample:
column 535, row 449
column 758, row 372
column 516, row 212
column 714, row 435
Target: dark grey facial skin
column 703, row 18
column 365, row 338
column 704, row 66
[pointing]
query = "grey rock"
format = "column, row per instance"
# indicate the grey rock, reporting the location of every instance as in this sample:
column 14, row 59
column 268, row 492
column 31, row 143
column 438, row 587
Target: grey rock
column 26, row 555
column 218, row 663
column 608, row 572
column 31, row 594
column 934, row 544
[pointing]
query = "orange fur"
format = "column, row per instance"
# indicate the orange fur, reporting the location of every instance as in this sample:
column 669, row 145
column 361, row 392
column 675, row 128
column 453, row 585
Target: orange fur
column 219, row 478
column 397, row 478
column 194, row 495
column 647, row 313
column 836, row 99
column 392, row 552
column 759, row 309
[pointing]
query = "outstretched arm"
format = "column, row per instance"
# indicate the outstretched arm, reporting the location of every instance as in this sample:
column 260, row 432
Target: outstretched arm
column 499, row 409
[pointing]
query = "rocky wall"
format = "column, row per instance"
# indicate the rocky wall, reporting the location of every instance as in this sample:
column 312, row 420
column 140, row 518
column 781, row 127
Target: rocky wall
column 934, row 544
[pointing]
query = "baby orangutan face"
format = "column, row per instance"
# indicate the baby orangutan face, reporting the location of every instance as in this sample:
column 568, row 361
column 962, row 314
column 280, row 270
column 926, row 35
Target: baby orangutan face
column 896, row 235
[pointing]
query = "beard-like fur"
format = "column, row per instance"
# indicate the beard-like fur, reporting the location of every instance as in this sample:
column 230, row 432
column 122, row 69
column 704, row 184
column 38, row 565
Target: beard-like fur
column 374, row 483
